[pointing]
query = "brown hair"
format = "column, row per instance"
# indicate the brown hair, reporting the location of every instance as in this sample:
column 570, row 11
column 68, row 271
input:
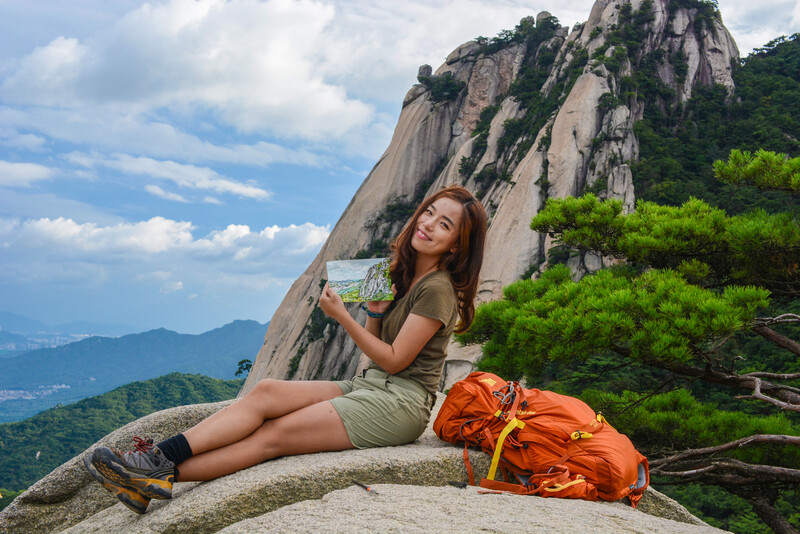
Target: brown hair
column 464, row 265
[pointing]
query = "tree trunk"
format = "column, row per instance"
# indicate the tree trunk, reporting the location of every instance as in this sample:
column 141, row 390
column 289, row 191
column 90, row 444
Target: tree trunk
column 764, row 509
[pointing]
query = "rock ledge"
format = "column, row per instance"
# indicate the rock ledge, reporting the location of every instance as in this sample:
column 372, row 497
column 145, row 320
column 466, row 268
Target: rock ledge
column 270, row 496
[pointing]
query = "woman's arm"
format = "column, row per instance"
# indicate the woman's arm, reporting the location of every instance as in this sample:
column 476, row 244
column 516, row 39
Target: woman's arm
column 414, row 334
column 373, row 326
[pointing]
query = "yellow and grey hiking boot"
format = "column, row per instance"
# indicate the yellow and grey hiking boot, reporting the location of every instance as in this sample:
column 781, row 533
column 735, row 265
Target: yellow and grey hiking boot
column 130, row 498
column 144, row 470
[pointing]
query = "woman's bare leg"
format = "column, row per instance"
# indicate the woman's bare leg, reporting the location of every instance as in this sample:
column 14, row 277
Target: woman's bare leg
column 314, row 428
column 267, row 400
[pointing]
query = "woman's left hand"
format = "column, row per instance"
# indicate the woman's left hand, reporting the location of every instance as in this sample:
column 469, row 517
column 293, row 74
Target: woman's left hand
column 381, row 306
column 331, row 303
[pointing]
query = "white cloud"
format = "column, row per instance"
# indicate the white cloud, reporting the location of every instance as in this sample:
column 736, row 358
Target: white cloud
column 796, row 15
column 121, row 130
column 754, row 24
column 158, row 276
column 256, row 64
column 65, row 236
column 157, row 191
column 183, row 175
column 53, row 239
column 50, row 73
column 23, row 174
column 29, row 142
column 171, row 287
column 375, row 49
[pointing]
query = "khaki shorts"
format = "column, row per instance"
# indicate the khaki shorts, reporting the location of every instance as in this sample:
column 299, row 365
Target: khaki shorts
column 380, row 409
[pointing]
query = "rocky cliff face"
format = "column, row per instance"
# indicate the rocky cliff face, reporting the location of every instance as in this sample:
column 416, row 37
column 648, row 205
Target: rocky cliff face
column 536, row 113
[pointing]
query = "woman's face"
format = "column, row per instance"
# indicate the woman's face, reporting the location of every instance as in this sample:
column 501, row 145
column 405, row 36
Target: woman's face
column 437, row 229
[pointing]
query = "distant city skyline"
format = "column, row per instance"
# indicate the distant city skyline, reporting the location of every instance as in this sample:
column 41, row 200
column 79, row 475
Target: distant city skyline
column 179, row 163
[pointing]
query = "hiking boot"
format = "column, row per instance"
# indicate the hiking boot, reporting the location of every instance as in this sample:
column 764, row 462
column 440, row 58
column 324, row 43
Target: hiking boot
column 130, row 498
column 144, row 470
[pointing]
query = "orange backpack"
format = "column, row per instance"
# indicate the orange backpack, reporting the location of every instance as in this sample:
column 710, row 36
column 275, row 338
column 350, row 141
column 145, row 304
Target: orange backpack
column 555, row 445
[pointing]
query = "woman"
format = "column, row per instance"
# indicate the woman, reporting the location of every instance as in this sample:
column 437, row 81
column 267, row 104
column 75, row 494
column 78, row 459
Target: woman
column 436, row 260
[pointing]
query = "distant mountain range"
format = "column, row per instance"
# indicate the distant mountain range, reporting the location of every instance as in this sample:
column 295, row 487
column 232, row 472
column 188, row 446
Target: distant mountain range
column 19, row 333
column 13, row 322
column 40, row 379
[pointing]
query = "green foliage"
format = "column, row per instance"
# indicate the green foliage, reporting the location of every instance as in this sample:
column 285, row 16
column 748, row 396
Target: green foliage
column 294, row 363
column 314, row 330
column 488, row 176
column 443, row 87
column 754, row 248
column 632, row 28
column 600, row 185
column 527, row 88
column 723, row 510
column 244, row 367
column 379, row 248
column 607, row 102
column 655, row 318
column 65, row 431
column 481, row 134
column 673, row 421
column 679, row 142
column 707, row 11
column 526, row 31
column 765, row 170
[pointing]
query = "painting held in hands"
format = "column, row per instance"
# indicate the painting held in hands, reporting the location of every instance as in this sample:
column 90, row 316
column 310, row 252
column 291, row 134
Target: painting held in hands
column 361, row 280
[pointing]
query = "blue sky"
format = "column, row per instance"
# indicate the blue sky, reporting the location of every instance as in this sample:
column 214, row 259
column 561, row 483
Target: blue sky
column 180, row 163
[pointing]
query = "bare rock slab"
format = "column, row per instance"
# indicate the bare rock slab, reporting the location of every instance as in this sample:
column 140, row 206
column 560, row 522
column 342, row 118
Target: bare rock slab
column 415, row 509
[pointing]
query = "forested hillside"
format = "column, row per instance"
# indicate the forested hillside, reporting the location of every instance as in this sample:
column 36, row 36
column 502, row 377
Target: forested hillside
column 679, row 142
column 34, row 447
column 700, row 290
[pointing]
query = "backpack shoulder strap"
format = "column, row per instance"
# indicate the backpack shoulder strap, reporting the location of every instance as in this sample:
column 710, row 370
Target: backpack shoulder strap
column 514, row 423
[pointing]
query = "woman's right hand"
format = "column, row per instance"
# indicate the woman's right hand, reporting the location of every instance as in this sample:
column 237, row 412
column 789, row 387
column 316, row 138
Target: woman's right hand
column 331, row 304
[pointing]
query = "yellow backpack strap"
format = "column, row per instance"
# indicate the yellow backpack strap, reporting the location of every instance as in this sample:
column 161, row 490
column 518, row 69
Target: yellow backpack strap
column 514, row 423
column 601, row 419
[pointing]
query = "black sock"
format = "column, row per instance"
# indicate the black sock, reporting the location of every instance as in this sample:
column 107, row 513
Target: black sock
column 176, row 449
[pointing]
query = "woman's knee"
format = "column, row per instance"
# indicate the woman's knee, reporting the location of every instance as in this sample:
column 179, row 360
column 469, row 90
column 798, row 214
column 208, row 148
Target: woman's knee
column 264, row 388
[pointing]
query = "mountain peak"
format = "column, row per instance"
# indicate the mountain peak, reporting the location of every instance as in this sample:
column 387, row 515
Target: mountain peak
column 537, row 112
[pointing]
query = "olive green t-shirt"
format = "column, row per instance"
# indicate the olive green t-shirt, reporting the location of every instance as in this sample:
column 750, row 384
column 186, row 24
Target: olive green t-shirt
column 433, row 296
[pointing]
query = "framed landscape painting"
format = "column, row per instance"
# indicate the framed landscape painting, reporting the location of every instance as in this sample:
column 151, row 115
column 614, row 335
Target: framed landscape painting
column 361, row 280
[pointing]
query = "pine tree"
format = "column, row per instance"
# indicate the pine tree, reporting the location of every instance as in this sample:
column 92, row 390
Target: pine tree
column 668, row 335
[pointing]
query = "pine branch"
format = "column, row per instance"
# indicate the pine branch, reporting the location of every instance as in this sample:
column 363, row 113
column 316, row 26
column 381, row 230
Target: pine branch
column 781, row 393
column 735, row 472
column 780, row 319
column 775, row 376
column 778, row 339
column 760, row 396
column 779, row 439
